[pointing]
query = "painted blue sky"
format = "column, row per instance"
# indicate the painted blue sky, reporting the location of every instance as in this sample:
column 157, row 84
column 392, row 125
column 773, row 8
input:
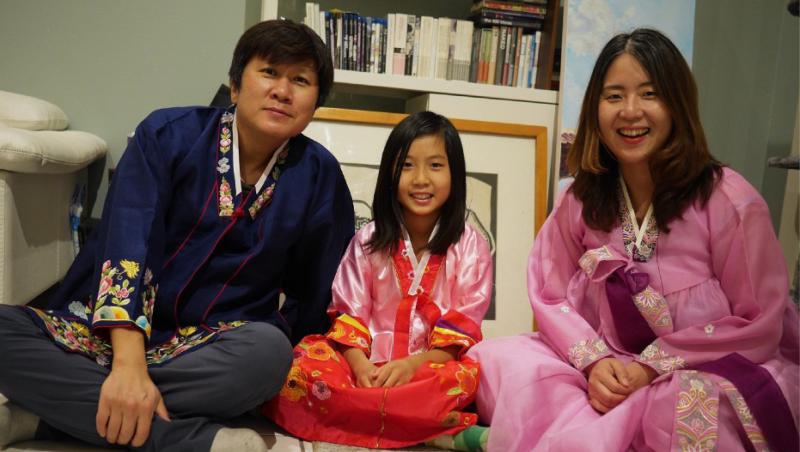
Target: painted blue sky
column 591, row 23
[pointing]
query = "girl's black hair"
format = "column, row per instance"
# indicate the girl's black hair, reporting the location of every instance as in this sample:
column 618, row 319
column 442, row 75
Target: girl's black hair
column 386, row 209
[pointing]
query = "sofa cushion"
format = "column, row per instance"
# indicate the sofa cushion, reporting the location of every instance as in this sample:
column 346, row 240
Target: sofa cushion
column 30, row 113
column 48, row 151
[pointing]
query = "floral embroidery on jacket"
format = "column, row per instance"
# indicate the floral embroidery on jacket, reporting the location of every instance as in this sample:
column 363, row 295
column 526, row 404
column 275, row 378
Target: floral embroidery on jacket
column 749, row 424
column 654, row 356
column 115, row 284
column 225, row 199
column 585, row 352
column 696, row 411
column 75, row 336
column 265, row 197
column 654, row 308
column 592, row 258
column 648, row 245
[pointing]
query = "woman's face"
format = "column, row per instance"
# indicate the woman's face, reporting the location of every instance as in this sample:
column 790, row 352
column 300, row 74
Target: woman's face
column 634, row 122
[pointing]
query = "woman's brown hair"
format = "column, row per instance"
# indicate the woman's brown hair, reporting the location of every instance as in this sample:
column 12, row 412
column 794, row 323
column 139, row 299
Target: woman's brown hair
column 682, row 172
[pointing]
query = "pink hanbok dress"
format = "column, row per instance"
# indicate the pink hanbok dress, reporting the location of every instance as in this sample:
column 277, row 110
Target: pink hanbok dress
column 705, row 305
column 392, row 307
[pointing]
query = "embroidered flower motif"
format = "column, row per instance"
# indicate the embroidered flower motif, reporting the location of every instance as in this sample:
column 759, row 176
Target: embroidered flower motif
column 654, row 308
column 565, row 309
column 262, row 200
column 223, row 166
column 467, row 383
column 452, row 419
column 654, row 356
column 78, row 309
column 295, row 387
column 696, row 411
column 110, row 313
column 709, row 329
column 586, row 351
column 225, row 199
column 592, row 258
column 148, row 276
column 143, row 323
column 130, row 268
column 320, row 351
column 321, row 390
column 225, row 140
column 648, row 244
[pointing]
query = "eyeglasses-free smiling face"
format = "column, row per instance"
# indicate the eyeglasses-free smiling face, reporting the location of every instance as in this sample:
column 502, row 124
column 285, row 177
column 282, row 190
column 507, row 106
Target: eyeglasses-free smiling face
column 275, row 102
column 424, row 184
column 634, row 122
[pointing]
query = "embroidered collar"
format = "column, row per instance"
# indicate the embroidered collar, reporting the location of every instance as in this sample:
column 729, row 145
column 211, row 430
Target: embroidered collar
column 237, row 169
column 639, row 240
column 418, row 266
column 227, row 172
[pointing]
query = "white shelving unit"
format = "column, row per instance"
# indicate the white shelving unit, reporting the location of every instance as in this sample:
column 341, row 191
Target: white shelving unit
column 384, row 83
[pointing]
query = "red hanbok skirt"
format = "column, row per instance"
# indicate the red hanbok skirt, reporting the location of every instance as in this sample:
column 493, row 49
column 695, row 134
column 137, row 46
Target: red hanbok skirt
column 320, row 401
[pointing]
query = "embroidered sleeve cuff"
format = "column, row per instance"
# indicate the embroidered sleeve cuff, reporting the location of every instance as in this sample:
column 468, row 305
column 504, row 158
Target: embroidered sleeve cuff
column 587, row 351
column 455, row 328
column 118, row 296
column 656, row 357
column 350, row 331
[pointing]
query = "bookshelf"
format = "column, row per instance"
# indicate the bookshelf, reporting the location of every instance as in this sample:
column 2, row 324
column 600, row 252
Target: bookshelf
column 456, row 9
column 455, row 99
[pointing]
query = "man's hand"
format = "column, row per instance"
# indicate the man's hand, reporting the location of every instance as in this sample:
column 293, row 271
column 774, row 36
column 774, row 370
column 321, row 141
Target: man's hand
column 609, row 384
column 395, row 373
column 128, row 397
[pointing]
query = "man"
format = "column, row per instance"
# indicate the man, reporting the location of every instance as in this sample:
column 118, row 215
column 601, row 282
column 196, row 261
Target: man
column 212, row 215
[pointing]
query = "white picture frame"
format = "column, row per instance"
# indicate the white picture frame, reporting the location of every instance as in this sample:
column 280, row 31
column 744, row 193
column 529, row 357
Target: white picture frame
column 506, row 191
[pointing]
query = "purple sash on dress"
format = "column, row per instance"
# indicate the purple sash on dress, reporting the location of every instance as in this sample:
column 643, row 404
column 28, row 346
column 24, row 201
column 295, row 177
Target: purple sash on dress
column 632, row 329
column 754, row 383
column 763, row 397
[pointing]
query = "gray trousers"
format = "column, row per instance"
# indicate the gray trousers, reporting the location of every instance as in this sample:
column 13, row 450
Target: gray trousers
column 221, row 380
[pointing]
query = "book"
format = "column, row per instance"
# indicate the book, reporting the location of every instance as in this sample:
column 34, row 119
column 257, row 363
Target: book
column 442, row 47
column 492, row 66
column 488, row 19
column 508, row 6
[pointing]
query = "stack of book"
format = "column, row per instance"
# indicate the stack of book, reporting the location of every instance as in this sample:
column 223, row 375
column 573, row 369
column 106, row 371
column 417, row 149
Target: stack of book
column 529, row 14
column 424, row 46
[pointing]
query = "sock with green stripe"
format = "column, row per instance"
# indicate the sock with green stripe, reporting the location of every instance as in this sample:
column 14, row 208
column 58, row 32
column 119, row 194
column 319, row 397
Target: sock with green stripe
column 471, row 439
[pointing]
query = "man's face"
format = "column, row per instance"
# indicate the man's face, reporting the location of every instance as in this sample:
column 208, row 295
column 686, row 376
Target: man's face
column 275, row 101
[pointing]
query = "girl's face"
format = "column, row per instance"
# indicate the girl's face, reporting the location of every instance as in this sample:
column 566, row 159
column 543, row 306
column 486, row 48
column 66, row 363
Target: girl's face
column 424, row 184
column 634, row 122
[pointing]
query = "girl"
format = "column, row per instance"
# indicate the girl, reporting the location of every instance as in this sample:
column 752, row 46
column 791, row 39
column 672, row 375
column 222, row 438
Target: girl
column 408, row 300
column 657, row 285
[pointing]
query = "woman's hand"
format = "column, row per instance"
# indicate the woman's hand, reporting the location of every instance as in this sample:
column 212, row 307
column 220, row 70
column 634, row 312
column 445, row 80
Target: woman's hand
column 128, row 397
column 639, row 375
column 609, row 384
column 396, row 373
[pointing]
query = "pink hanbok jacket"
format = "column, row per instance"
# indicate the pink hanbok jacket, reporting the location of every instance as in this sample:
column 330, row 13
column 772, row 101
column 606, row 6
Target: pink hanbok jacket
column 366, row 288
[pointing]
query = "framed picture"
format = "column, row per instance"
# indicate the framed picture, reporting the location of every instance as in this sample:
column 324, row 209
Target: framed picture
column 506, row 192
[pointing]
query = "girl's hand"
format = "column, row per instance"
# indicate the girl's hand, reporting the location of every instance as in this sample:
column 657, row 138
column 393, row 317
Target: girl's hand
column 640, row 375
column 609, row 384
column 395, row 373
column 360, row 365
column 363, row 373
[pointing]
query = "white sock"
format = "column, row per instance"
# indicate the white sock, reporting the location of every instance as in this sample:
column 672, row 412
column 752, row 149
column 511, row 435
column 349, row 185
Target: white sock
column 238, row 439
column 16, row 424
